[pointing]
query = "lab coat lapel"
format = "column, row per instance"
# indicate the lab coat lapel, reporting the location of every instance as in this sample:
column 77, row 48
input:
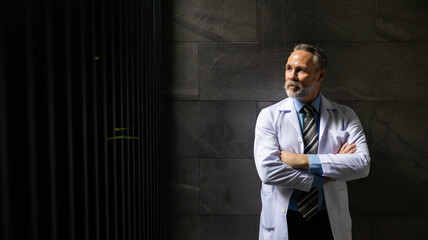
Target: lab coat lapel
column 292, row 125
column 288, row 108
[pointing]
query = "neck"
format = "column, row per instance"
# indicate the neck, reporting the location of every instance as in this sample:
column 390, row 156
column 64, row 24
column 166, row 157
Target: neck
column 308, row 99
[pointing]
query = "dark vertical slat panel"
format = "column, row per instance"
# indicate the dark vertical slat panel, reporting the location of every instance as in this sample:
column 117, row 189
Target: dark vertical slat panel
column 41, row 132
column 58, row 48
column 154, row 136
column 134, row 115
column 70, row 128
column 95, row 59
column 31, row 123
column 146, row 186
column 17, row 126
column 156, row 126
column 106, row 227
column 127, row 116
column 148, row 124
column 144, row 158
column 84, row 121
column 51, row 121
column 86, row 186
column 157, row 120
column 4, row 166
column 120, row 115
column 113, row 151
column 139, row 120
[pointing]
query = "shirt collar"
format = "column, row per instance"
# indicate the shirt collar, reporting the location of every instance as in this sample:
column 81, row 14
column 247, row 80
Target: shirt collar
column 315, row 103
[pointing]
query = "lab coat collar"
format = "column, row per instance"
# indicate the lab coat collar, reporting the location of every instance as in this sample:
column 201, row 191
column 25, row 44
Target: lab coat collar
column 288, row 104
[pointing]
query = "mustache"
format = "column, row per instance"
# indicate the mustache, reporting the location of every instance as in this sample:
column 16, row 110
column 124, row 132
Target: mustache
column 293, row 83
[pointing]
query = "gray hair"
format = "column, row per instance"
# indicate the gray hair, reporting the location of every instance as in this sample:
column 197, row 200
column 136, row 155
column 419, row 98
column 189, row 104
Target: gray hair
column 320, row 58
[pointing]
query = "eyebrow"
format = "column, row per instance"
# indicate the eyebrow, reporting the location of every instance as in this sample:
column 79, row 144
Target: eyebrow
column 298, row 66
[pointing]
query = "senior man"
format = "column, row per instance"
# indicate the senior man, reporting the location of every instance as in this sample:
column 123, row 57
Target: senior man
column 306, row 148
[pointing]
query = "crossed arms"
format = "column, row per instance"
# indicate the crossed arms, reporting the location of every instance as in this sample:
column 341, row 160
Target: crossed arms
column 285, row 168
column 298, row 160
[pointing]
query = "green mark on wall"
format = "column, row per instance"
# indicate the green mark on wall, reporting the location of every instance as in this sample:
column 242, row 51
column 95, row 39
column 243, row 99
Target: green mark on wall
column 122, row 136
column 121, row 129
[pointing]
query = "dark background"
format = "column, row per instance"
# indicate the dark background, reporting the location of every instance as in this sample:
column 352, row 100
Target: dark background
column 225, row 62
column 80, row 120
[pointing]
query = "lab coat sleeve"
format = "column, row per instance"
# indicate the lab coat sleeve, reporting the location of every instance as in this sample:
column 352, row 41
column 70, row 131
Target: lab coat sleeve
column 348, row 167
column 270, row 168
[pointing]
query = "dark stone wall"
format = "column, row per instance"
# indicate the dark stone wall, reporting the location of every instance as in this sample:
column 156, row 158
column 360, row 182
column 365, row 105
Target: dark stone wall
column 225, row 62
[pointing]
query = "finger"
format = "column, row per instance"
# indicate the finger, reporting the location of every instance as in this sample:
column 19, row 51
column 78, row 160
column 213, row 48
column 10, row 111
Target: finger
column 343, row 148
column 351, row 148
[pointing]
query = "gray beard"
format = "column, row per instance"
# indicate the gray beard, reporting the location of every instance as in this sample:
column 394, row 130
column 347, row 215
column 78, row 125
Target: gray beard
column 301, row 93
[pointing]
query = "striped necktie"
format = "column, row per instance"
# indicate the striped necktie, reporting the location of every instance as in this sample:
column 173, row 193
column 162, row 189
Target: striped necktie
column 308, row 201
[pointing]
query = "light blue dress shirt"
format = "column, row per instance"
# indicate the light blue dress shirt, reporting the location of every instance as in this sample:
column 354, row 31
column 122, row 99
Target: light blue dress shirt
column 314, row 160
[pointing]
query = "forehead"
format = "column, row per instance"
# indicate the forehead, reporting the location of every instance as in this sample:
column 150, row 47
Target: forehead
column 301, row 57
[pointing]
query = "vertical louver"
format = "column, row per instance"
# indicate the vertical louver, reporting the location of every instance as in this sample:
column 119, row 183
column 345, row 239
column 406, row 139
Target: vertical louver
column 80, row 120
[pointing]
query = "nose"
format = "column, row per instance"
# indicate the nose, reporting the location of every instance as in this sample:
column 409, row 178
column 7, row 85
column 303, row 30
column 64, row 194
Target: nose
column 292, row 75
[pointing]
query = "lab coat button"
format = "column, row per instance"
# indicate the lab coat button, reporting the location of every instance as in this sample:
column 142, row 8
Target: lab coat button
column 299, row 139
column 283, row 211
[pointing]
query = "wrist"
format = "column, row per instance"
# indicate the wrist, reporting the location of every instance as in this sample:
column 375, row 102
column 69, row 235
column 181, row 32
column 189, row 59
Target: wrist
column 305, row 161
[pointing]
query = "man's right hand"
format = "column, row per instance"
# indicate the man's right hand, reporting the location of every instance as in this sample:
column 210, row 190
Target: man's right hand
column 345, row 149
column 348, row 148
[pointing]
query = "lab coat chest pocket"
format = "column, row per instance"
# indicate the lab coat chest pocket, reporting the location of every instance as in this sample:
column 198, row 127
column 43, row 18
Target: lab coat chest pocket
column 268, row 210
column 337, row 139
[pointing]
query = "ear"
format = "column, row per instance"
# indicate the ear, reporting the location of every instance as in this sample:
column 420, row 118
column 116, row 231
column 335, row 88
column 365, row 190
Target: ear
column 322, row 76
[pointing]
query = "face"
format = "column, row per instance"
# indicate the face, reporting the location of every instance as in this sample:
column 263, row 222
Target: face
column 302, row 76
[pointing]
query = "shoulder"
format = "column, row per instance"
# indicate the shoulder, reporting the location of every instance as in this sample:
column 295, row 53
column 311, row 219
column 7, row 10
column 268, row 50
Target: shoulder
column 279, row 106
column 272, row 112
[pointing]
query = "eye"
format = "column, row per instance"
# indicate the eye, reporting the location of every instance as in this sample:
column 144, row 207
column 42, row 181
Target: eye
column 303, row 70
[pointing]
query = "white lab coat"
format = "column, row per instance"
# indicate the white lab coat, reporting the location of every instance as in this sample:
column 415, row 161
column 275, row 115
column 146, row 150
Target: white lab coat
column 278, row 129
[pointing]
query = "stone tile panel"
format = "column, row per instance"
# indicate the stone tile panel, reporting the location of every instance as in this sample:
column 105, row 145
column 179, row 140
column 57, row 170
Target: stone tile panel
column 394, row 187
column 376, row 71
column 182, row 185
column 400, row 130
column 206, row 20
column 355, row 72
column 211, row 129
column 181, row 71
column 229, row 187
column 313, row 21
column 213, row 228
column 242, row 71
column 401, row 20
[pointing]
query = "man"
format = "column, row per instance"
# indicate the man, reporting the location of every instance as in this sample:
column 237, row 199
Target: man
column 303, row 157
